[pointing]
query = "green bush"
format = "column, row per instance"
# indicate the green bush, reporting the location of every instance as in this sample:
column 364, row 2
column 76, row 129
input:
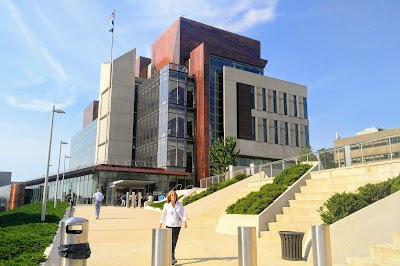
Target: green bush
column 341, row 205
column 213, row 188
column 23, row 237
column 256, row 202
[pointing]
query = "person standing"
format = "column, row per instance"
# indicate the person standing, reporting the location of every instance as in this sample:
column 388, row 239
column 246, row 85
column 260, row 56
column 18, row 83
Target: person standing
column 173, row 215
column 98, row 198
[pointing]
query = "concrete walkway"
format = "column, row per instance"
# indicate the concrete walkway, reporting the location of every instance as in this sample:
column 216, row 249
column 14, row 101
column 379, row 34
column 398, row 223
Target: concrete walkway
column 122, row 236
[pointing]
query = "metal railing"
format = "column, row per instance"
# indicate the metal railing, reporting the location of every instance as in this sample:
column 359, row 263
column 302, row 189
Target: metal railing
column 345, row 156
column 177, row 186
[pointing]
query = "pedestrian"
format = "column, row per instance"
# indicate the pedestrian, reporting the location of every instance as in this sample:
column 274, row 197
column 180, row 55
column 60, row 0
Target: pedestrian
column 98, row 198
column 173, row 215
column 123, row 200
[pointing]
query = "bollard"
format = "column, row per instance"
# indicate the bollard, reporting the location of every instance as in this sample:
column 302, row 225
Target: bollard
column 161, row 254
column 74, row 247
column 247, row 246
column 127, row 200
column 321, row 245
column 139, row 201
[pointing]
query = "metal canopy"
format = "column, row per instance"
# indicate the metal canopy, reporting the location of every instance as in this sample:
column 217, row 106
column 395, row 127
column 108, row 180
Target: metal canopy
column 130, row 183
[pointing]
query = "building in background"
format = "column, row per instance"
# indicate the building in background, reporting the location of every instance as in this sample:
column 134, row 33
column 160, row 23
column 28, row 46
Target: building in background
column 158, row 117
column 372, row 144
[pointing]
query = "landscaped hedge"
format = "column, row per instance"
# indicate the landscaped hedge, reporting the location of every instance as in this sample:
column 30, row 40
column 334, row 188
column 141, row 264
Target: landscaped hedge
column 256, row 202
column 23, row 237
column 343, row 204
column 214, row 188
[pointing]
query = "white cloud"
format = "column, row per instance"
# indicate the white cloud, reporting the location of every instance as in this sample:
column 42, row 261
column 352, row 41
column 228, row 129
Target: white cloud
column 36, row 104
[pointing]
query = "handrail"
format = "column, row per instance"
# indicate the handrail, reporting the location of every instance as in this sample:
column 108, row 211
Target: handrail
column 188, row 186
column 179, row 185
column 205, row 182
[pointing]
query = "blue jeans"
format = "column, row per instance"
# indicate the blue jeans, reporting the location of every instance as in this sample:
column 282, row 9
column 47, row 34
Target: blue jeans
column 97, row 206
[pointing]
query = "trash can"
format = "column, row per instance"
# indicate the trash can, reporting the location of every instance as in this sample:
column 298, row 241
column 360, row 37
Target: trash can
column 291, row 244
column 74, row 247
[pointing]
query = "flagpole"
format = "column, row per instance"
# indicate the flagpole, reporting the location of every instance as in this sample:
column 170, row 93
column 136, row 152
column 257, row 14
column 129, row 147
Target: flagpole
column 109, row 87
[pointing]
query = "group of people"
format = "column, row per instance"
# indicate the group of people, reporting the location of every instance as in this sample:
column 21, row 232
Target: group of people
column 173, row 216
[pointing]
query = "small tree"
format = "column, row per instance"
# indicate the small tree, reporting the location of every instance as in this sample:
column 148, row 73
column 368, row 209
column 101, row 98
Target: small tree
column 223, row 154
column 303, row 153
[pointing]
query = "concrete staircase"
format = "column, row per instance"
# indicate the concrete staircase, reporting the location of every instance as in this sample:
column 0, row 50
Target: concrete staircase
column 382, row 255
column 303, row 211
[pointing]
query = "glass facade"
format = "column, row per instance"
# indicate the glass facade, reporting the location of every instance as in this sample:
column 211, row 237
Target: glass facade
column 295, row 105
column 305, row 107
column 285, row 103
column 264, row 100
column 276, row 131
column 166, row 119
column 83, row 146
column 296, row 134
column 216, row 91
column 265, row 130
column 274, row 101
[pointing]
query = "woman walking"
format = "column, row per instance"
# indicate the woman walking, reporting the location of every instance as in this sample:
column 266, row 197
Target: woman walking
column 173, row 215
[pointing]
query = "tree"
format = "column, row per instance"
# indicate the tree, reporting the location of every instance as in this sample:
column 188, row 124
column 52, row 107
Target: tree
column 303, row 153
column 223, row 154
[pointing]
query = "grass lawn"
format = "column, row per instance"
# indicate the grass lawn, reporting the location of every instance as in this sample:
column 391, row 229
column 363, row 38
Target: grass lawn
column 23, row 237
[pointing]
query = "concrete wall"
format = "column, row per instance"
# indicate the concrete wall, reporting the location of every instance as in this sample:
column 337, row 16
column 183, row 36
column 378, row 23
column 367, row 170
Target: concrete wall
column 115, row 130
column 352, row 236
column 259, row 148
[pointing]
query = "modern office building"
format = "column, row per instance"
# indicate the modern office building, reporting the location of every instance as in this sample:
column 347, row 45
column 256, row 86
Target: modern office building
column 158, row 117
column 372, row 144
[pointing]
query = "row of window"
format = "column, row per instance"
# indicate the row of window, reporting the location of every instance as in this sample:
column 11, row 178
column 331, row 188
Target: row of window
column 275, row 99
column 376, row 143
column 275, row 128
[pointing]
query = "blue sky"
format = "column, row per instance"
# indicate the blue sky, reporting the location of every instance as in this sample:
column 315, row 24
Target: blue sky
column 345, row 51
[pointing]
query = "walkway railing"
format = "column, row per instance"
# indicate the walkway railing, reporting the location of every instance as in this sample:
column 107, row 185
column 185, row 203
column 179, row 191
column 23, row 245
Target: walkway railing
column 362, row 152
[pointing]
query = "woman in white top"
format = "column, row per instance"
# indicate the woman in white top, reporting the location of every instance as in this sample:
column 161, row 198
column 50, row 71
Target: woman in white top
column 173, row 215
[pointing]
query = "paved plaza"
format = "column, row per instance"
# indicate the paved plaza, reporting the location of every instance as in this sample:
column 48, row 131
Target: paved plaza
column 124, row 236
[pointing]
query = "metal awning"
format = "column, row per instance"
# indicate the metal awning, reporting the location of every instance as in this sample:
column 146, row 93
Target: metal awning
column 130, row 184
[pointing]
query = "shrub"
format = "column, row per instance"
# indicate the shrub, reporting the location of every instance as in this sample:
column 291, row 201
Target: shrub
column 340, row 205
column 214, row 188
column 256, row 202
column 160, row 205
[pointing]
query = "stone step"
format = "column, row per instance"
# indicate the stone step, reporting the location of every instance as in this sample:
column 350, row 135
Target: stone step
column 275, row 227
column 303, row 219
column 321, row 174
column 346, row 187
column 306, row 203
column 313, row 195
column 300, row 211
column 379, row 176
column 370, row 262
column 387, row 252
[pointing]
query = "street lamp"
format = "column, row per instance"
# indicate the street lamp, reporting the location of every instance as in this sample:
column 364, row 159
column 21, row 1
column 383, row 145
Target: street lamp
column 46, row 177
column 62, row 183
column 58, row 174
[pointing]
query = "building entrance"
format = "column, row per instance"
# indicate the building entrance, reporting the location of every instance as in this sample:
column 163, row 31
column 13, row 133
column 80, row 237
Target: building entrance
column 116, row 189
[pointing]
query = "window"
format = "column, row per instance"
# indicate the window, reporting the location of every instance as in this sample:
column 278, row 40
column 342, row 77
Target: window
column 295, row 105
column 286, row 133
column 265, row 129
column 276, row 131
column 252, row 97
column 296, row 134
column 307, row 136
column 305, row 108
column 274, row 101
column 285, row 103
column 264, row 100
column 253, row 128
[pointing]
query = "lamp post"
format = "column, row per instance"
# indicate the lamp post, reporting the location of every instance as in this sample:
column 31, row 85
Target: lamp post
column 46, row 177
column 58, row 174
column 62, row 183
